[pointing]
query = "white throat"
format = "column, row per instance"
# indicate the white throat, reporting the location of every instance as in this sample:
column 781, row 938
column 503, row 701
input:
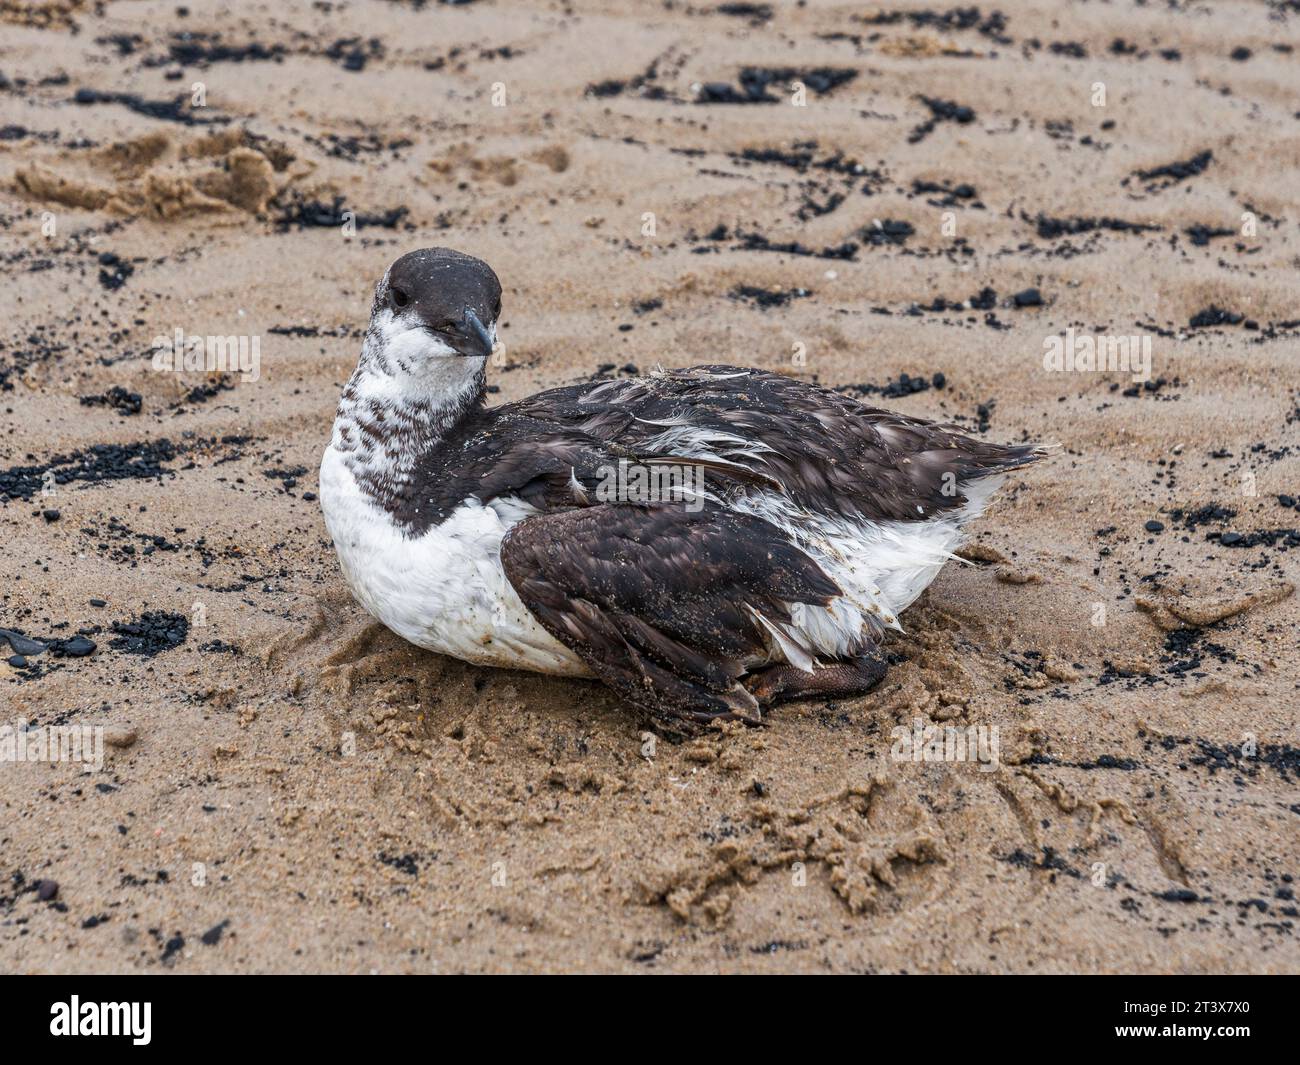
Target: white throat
column 408, row 391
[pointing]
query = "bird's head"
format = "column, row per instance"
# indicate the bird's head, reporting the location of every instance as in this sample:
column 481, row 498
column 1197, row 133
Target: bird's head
column 435, row 304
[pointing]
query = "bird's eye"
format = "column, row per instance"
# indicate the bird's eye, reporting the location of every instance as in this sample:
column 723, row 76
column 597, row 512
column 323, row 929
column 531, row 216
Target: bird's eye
column 400, row 298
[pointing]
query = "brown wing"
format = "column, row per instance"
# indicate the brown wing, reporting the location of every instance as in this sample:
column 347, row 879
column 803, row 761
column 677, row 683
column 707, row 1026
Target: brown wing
column 825, row 451
column 828, row 452
column 551, row 465
column 660, row 602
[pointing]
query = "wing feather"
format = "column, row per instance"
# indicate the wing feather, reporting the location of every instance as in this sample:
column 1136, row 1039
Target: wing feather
column 669, row 607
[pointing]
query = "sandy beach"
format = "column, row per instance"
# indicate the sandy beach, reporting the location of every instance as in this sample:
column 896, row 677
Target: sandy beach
column 951, row 212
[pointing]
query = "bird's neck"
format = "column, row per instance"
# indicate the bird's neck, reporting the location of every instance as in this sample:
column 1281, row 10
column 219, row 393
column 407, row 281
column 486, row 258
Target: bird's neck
column 392, row 415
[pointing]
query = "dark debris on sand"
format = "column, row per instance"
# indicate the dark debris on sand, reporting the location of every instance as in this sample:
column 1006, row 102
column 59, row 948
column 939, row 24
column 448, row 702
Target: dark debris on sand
column 151, row 633
column 1162, row 177
column 906, row 385
column 27, row 650
column 945, row 194
column 757, row 83
column 113, row 270
column 765, row 298
column 304, row 214
column 174, row 110
column 124, row 402
column 749, row 241
column 755, row 13
column 204, row 49
column 99, row 462
column 886, row 231
column 1201, row 235
column 1212, row 316
column 353, row 53
column 940, row 111
column 1055, row 228
column 992, row 25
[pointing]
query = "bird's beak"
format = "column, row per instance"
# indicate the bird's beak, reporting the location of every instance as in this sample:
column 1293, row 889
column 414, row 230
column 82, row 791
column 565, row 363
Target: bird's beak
column 472, row 337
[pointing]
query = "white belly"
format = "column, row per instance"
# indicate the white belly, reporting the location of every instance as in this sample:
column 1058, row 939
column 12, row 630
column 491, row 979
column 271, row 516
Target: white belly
column 445, row 590
column 880, row 567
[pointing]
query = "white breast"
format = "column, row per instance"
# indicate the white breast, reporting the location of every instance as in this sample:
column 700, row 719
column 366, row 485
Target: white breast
column 444, row 590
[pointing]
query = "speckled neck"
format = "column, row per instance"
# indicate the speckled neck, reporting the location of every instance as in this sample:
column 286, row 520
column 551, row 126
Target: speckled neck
column 391, row 414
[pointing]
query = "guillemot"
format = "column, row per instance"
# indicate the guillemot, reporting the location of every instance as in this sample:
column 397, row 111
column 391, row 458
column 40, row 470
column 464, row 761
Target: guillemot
column 489, row 533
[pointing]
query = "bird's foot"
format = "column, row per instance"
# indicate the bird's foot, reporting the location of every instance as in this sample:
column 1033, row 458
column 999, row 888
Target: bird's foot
column 843, row 679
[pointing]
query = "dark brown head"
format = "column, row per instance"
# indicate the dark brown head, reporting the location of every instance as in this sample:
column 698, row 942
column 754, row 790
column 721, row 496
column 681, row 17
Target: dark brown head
column 438, row 302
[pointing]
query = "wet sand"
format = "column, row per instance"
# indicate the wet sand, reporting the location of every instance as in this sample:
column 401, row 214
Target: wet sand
column 289, row 787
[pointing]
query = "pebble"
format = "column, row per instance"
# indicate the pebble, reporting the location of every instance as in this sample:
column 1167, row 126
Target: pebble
column 21, row 644
column 77, row 647
column 120, row 735
column 17, row 661
column 1154, row 526
column 46, row 889
column 212, row 936
column 1009, row 574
